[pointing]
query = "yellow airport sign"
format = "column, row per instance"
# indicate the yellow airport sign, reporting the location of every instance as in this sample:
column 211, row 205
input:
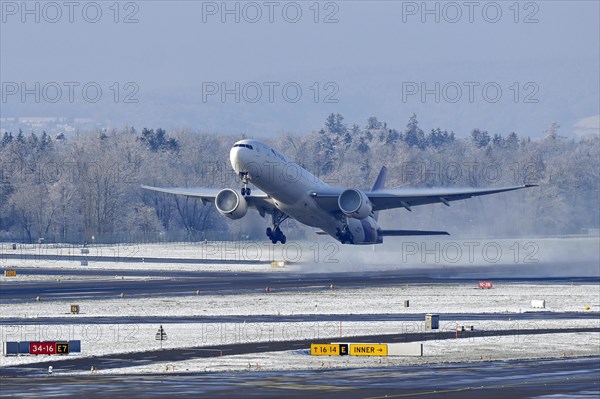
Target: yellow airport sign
column 10, row 273
column 325, row 350
column 62, row 348
column 368, row 350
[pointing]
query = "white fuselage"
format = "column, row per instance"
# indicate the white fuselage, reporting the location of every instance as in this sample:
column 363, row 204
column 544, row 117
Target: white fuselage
column 290, row 187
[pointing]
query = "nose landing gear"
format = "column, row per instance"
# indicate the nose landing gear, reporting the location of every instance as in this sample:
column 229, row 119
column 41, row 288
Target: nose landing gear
column 245, row 180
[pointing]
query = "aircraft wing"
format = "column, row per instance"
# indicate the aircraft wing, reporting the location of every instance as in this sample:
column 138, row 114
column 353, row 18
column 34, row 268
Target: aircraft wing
column 407, row 198
column 206, row 194
column 259, row 200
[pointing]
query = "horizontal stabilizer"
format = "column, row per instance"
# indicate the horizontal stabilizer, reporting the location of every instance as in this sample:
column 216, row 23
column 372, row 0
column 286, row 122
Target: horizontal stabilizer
column 396, row 233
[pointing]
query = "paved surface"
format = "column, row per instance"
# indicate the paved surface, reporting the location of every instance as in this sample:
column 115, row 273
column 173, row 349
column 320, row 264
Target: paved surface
column 174, row 355
column 522, row 379
column 174, row 283
column 565, row 378
column 446, row 317
column 430, row 273
column 117, row 258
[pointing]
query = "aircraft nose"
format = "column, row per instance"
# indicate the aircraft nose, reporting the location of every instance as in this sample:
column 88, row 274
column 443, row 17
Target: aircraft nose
column 234, row 155
column 239, row 157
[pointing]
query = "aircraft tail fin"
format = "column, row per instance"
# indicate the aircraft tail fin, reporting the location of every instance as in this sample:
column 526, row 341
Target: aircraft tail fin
column 380, row 181
column 379, row 184
column 398, row 233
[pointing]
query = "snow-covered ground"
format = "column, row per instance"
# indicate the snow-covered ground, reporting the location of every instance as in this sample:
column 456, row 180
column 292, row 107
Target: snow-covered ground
column 32, row 278
column 572, row 256
column 130, row 266
column 100, row 339
column 452, row 298
column 447, row 351
column 103, row 339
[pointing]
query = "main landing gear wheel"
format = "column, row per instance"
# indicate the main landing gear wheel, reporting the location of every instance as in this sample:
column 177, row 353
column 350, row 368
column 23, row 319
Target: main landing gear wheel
column 276, row 235
column 344, row 236
column 246, row 191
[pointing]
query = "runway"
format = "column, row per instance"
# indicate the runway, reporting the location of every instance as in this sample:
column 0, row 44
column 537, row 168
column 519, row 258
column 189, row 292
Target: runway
column 176, row 283
column 511, row 379
column 519, row 379
column 38, row 257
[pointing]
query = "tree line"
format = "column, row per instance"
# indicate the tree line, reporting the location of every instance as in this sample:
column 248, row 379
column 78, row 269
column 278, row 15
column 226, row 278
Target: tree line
column 86, row 186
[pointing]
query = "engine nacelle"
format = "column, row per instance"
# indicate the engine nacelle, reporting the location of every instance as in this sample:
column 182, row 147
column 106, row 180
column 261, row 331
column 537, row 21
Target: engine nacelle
column 231, row 204
column 364, row 231
column 355, row 204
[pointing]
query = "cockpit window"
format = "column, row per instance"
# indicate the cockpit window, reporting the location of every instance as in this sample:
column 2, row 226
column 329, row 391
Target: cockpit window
column 248, row 146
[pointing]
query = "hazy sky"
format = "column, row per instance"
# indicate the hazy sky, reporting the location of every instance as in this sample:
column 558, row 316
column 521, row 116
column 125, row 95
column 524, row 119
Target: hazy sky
column 374, row 53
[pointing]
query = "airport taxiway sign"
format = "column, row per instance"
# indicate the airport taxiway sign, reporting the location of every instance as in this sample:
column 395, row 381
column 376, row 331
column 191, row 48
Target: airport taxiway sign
column 368, row 350
column 328, row 349
column 62, row 348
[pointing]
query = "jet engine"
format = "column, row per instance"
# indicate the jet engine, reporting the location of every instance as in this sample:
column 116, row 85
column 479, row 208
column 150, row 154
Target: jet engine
column 355, row 204
column 231, row 204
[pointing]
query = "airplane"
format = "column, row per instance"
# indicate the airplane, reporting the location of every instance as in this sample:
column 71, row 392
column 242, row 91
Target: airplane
column 286, row 190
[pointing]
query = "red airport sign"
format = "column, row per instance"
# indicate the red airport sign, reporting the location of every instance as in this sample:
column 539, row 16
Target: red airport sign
column 42, row 348
column 48, row 348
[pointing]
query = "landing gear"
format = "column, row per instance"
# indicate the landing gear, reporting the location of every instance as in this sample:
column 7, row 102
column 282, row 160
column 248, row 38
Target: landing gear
column 344, row 235
column 275, row 234
column 245, row 180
